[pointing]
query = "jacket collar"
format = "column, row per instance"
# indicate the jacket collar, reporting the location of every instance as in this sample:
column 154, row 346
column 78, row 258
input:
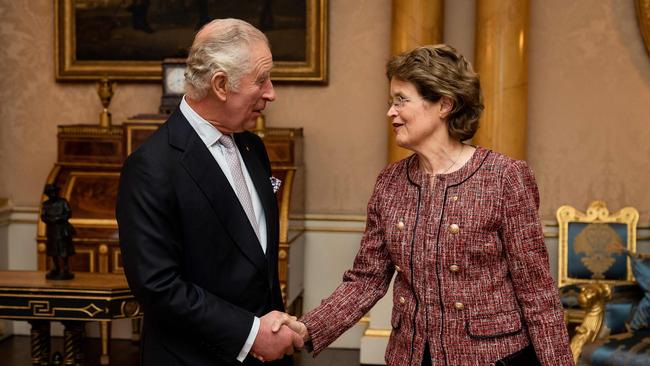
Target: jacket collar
column 418, row 177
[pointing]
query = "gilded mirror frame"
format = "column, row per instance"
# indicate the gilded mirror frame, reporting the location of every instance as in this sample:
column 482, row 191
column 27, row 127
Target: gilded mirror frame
column 67, row 68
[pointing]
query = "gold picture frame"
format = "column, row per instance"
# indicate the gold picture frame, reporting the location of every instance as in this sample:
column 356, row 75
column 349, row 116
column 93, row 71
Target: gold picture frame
column 310, row 68
column 643, row 15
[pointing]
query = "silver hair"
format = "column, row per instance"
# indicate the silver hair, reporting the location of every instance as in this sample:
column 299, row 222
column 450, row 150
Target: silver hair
column 226, row 48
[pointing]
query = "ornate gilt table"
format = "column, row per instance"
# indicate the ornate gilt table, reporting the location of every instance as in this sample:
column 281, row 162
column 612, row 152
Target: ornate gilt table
column 27, row 295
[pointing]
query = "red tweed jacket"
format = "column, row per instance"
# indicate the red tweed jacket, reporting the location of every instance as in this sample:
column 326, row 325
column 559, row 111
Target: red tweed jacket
column 473, row 275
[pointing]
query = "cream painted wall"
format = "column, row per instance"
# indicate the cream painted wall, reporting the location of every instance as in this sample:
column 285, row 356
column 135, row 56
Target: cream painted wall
column 589, row 88
column 343, row 122
column 589, row 81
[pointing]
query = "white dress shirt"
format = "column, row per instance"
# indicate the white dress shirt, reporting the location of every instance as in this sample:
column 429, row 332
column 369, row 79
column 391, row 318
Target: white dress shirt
column 210, row 137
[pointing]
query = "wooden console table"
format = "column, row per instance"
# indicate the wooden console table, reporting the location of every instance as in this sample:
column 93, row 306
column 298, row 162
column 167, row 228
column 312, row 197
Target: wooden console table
column 27, row 295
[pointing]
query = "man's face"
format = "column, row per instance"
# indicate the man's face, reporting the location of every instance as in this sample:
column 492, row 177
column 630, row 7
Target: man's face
column 245, row 104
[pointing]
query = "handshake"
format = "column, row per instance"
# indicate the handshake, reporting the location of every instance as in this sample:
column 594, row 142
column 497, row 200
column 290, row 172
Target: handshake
column 279, row 335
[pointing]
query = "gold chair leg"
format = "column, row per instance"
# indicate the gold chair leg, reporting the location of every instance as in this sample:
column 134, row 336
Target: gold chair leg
column 105, row 336
column 592, row 298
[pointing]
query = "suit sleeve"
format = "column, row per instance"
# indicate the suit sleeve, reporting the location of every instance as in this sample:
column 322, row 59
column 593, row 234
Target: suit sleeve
column 151, row 245
column 363, row 285
column 528, row 263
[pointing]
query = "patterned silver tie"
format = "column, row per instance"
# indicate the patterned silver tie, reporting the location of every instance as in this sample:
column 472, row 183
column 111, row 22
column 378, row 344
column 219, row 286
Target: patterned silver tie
column 239, row 183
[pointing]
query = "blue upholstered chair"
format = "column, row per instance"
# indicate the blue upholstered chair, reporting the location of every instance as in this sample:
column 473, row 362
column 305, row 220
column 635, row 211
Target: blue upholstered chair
column 616, row 331
column 593, row 249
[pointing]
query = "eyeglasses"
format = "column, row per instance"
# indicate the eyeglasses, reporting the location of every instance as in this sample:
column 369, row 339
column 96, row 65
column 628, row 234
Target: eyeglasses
column 397, row 102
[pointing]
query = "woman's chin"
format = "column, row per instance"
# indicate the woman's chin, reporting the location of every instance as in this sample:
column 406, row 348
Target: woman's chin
column 402, row 142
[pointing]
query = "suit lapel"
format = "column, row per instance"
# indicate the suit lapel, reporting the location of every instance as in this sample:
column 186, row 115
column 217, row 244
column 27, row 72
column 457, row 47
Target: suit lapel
column 262, row 184
column 207, row 174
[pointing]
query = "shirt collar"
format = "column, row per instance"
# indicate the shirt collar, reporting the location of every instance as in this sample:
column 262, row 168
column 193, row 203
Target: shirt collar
column 206, row 131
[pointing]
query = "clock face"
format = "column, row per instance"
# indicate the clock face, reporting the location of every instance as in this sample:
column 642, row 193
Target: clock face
column 175, row 80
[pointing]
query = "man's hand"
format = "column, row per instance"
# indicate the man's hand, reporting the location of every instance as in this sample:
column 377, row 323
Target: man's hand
column 272, row 345
column 293, row 323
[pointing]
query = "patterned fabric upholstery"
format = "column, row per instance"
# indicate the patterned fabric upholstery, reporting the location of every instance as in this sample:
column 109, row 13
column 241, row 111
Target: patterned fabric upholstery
column 619, row 310
column 624, row 337
column 641, row 317
column 597, row 251
column 628, row 349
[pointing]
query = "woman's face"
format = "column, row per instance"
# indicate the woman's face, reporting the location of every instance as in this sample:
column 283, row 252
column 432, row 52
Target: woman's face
column 415, row 120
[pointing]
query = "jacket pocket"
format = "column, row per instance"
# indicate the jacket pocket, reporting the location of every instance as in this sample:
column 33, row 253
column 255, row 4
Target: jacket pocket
column 494, row 325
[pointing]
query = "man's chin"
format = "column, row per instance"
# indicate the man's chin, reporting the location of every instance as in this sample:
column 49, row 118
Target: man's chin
column 250, row 124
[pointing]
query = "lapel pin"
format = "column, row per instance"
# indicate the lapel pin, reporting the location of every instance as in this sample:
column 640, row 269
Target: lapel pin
column 275, row 184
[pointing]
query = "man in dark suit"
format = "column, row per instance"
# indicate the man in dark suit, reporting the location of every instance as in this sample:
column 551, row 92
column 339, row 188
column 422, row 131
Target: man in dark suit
column 198, row 219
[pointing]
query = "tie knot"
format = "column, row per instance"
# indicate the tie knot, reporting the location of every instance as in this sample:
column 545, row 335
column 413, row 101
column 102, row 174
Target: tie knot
column 227, row 141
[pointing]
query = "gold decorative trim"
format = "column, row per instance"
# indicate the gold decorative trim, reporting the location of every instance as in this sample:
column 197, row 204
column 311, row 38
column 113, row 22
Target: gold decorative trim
column 364, row 320
column 116, row 256
column 91, row 256
column 330, row 229
column 105, row 223
column 42, row 308
column 597, row 212
column 384, row 333
column 328, row 217
column 67, row 68
column 89, row 130
column 129, row 134
column 592, row 298
column 643, row 16
column 103, row 258
column 284, row 205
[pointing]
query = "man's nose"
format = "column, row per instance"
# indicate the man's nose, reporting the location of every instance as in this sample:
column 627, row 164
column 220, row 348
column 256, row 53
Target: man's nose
column 269, row 93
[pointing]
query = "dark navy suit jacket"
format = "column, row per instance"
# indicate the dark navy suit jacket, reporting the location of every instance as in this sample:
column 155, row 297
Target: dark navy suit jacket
column 190, row 254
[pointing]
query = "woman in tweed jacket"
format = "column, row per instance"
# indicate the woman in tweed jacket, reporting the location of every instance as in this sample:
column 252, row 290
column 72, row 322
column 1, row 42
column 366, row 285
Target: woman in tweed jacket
column 459, row 225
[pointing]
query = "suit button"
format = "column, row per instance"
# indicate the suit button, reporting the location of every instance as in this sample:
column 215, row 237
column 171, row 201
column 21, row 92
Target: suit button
column 402, row 300
column 454, row 198
column 454, row 268
column 459, row 305
column 454, row 229
column 400, row 225
column 397, row 268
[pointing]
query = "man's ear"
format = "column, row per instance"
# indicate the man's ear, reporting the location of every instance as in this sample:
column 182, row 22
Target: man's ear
column 219, row 85
column 446, row 105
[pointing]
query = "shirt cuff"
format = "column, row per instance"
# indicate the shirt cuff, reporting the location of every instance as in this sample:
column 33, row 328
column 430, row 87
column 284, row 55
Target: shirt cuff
column 250, row 340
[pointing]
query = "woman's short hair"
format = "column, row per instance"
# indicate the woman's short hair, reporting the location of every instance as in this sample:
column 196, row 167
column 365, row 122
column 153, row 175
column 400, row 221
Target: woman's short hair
column 439, row 70
column 225, row 47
